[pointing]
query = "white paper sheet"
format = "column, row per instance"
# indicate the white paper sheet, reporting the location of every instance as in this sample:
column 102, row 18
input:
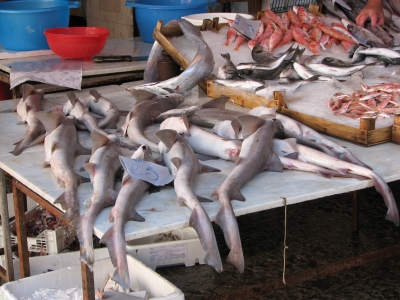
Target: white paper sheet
column 54, row 71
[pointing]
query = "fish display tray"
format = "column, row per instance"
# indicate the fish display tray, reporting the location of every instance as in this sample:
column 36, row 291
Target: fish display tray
column 48, row 241
column 186, row 250
column 142, row 277
column 365, row 135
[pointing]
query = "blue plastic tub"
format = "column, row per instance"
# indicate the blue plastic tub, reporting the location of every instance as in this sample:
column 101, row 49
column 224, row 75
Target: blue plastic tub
column 22, row 22
column 148, row 12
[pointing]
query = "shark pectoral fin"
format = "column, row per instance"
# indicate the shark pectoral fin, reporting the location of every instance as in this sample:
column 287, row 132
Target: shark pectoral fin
column 181, row 201
column 167, row 137
column 134, row 216
column 89, row 167
column 159, row 160
column 325, row 174
column 82, row 178
column 207, row 169
column 274, row 164
column 187, row 125
column 216, row 103
column 50, row 120
column 142, row 95
column 46, row 164
column 250, row 124
column 80, row 150
column 38, row 140
column 98, row 140
column 176, row 161
column 72, row 97
column 203, row 199
column 342, row 171
column 237, row 127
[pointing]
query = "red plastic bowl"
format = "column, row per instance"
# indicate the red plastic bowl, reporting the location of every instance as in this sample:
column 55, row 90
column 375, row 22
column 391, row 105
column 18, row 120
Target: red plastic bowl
column 77, row 42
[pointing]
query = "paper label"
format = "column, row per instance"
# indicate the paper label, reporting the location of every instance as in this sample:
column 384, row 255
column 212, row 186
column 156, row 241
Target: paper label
column 147, row 171
column 164, row 253
column 246, row 27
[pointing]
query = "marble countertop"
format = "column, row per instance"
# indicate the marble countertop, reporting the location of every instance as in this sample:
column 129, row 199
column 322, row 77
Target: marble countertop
column 129, row 46
column 161, row 211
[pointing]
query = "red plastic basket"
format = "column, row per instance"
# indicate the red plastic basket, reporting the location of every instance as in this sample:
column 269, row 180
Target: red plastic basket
column 77, row 42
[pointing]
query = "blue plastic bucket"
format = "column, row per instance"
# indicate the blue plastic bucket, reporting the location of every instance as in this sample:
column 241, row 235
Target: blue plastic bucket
column 22, row 22
column 148, row 12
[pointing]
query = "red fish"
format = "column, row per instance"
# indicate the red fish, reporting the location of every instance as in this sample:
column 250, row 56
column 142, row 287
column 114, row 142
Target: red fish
column 334, row 33
column 239, row 41
column 287, row 38
column 275, row 18
column 230, row 36
column 285, row 20
column 275, row 39
column 293, row 17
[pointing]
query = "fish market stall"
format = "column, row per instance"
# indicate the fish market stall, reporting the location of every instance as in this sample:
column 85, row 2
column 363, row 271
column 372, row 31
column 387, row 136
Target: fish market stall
column 267, row 190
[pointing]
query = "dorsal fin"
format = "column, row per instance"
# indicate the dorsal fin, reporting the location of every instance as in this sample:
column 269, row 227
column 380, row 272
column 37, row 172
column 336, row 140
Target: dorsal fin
column 216, row 103
column 250, row 124
column 142, row 95
column 27, row 90
column 98, row 140
column 50, row 120
column 207, row 169
column 167, row 137
column 95, row 94
column 72, row 97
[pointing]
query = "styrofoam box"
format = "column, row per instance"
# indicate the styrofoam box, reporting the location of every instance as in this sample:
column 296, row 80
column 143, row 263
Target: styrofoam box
column 48, row 241
column 30, row 204
column 43, row 264
column 187, row 250
column 140, row 277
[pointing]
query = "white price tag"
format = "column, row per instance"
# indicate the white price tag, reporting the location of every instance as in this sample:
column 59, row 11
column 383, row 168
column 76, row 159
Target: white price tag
column 147, row 171
column 246, row 27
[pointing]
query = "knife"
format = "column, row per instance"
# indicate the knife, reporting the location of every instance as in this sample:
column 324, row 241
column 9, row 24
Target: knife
column 117, row 58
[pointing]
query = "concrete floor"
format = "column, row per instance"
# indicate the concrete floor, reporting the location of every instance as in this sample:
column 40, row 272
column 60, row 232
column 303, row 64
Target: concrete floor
column 319, row 233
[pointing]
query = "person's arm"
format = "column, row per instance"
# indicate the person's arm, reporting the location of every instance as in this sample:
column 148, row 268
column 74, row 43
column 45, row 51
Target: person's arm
column 373, row 10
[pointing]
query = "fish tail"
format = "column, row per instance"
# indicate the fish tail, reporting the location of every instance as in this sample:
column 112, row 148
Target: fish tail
column 84, row 232
column 352, row 159
column 121, row 273
column 200, row 221
column 382, row 188
column 227, row 221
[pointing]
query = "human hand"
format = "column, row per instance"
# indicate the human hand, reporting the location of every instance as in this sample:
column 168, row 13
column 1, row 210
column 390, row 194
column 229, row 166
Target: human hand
column 373, row 10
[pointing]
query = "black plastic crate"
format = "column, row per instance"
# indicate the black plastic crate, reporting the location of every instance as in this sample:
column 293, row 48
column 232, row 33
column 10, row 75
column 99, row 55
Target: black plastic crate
column 279, row 6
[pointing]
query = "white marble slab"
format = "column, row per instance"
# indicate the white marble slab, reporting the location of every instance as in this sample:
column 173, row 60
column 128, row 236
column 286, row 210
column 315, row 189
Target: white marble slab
column 162, row 214
column 130, row 46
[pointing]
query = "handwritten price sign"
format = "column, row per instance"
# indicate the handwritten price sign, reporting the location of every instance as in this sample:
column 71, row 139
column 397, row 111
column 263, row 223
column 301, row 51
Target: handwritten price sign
column 147, row 171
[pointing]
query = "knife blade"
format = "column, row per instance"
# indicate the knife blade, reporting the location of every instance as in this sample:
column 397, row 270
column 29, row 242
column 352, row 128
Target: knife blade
column 117, row 58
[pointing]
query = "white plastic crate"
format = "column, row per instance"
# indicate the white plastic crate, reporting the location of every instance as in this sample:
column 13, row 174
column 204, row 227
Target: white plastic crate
column 48, row 241
column 187, row 250
column 30, row 204
column 140, row 275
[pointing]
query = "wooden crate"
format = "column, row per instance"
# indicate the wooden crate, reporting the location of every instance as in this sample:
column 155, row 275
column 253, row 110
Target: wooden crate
column 365, row 135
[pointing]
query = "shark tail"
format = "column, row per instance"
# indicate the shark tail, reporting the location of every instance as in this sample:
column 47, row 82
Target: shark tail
column 113, row 239
column 200, row 221
column 226, row 219
column 84, row 231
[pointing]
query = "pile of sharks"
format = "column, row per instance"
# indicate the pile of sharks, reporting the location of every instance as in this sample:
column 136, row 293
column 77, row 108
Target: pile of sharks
column 255, row 141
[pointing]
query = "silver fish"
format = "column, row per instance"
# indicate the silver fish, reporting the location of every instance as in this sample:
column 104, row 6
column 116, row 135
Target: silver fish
column 380, row 52
column 305, row 73
column 188, row 111
column 202, row 64
column 102, row 168
column 289, row 74
column 104, row 107
column 147, row 107
column 61, row 146
column 335, row 71
column 255, row 156
column 28, row 105
column 316, row 157
column 357, row 56
column 131, row 192
column 363, row 36
column 270, row 65
column 380, row 33
column 181, row 161
column 151, row 71
column 228, row 70
column 329, row 6
column 203, row 141
column 244, row 84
